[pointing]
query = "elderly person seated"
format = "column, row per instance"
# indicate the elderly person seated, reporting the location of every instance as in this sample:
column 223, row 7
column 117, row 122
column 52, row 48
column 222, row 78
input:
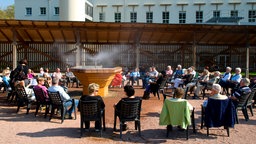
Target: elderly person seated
column 201, row 80
column 207, row 83
column 215, row 94
column 226, row 76
column 70, row 77
column 240, row 93
column 234, row 80
column 134, row 75
column 64, row 96
column 185, row 79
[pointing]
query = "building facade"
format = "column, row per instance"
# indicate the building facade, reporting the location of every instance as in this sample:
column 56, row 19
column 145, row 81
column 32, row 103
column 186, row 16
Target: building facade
column 143, row 11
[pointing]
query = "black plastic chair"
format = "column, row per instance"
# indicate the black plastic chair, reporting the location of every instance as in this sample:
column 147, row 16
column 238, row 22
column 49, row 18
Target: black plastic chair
column 91, row 111
column 242, row 105
column 41, row 100
column 130, row 111
column 250, row 102
column 22, row 98
column 57, row 103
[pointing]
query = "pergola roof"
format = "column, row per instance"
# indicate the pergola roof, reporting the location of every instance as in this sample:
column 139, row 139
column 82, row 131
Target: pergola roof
column 24, row 31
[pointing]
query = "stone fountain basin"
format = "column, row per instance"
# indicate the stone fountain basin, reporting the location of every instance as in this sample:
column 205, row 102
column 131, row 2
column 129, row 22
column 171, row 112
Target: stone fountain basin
column 95, row 74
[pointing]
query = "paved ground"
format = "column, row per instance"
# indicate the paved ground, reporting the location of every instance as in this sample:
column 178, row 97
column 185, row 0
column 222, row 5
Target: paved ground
column 21, row 128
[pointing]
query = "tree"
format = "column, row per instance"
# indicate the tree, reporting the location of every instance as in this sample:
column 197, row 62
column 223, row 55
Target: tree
column 8, row 13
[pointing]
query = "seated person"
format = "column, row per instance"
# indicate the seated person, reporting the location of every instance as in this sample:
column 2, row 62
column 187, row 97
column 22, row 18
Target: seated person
column 129, row 91
column 40, row 85
column 235, row 79
column 240, row 93
column 179, row 93
column 6, row 80
column 200, row 80
column 93, row 89
column 117, row 81
column 57, row 74
column 201, row 83
column 179, row 72
column 207, row 83
column 134, row 76
column 226, row 76
column 41, row 72
column 65, row 97
column 185, row 79
column 70, row 77
column 169, row 71
column 253, row 83
column 154, row 85
column 215, row 94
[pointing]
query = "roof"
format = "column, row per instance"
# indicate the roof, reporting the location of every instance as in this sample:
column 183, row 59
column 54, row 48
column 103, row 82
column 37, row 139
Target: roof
column 28, row 31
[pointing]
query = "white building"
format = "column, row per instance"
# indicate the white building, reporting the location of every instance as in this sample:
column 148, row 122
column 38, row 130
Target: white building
column 139, row 11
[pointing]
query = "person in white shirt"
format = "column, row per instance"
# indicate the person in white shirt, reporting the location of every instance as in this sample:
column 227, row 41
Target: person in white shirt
column 65, row 97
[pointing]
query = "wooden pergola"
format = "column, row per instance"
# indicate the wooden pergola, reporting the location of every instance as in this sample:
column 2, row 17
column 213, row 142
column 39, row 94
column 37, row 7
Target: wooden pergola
column 21, row 32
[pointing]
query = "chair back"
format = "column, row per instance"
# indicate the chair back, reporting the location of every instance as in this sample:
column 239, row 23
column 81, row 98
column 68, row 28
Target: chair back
column 55, row 98
column 90, row 110
column 130, row 110
column 39, row 94
column 219, row 113
column 21, row 93
column 249, row 100
column 175, row 112
column 163, row 83
column 243, row 100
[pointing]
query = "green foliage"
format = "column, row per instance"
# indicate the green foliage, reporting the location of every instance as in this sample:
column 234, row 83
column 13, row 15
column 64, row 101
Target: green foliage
column 8, row 13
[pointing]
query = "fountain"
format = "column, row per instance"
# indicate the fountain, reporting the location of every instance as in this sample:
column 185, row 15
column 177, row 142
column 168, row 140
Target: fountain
column 95, row 74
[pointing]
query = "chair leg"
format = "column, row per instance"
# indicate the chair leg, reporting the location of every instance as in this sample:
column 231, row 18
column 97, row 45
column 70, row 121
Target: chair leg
column 250, row 107
column 168, row 128
column 138, row 124
column 207, row 131
column 74, row 107
column 187, row 133
column 158, row 95
column 227, row 128
column 52, row 112
column 237, row 120
column 202, row 117
column 115, row 116
column 37, row 108
column 121, row 128
column 46, row 110
column 104, row 123
column 244, row 110
column 62, row 114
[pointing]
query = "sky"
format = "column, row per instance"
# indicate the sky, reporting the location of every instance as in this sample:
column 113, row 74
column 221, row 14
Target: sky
column 5, row 3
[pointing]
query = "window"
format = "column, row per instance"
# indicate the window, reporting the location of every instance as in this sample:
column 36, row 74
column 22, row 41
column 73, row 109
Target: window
column 102, row 17
column 182, row 17
column 165, row 17
column 88, row 10
column 252, row 16
column 133, row 17
column 28, row 11
column 43, row 10
column 234, row 13
column 199, row 16
column 117, row 17
column 149, row 17
column 56, row 10
column 216, row 14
